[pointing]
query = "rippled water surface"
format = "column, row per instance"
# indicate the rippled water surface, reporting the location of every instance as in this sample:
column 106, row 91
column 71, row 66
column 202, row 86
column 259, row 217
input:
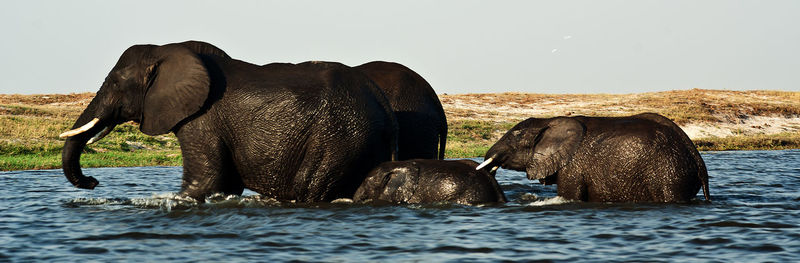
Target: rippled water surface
column 134, row 215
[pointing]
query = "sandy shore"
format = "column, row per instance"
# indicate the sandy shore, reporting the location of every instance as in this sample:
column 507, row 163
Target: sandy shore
column 701, row 113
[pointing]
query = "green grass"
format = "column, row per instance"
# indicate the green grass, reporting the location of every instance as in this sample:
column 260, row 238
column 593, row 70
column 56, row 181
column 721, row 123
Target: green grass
column 472, row 138
column 98, row 159
column 30, row 125
column 29, row 140
column 780, row 141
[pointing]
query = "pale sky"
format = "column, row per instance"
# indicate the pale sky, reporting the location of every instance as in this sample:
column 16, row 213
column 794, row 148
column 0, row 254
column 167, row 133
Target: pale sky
column 593, row 46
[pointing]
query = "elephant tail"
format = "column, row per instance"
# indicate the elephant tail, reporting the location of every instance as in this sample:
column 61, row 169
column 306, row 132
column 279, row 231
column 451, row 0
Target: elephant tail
column 703, row 174
column 442, row 141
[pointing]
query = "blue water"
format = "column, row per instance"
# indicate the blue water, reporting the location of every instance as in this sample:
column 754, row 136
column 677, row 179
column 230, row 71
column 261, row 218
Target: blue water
column 134, row 215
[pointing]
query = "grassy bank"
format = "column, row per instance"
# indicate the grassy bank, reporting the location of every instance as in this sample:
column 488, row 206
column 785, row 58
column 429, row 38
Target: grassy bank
column 30, row 124
column 126, row 146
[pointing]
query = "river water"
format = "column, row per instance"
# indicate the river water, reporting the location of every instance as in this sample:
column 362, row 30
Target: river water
column 134, row 215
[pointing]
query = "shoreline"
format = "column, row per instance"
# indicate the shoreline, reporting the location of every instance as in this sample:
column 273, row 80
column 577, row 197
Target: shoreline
column 716, row 120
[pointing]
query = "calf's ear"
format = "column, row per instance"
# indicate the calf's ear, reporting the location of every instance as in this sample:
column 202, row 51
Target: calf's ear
column 555, row 146
column 402, row 184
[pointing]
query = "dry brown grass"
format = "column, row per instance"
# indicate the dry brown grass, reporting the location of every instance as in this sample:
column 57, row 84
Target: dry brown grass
column 734, row 111
column 30, row 124
column 682, row 106
column 80, row 99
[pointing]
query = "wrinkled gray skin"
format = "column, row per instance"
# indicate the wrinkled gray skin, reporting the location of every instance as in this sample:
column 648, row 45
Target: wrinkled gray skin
column 306, row 132
column 430, row 181
column 640, row 158
column 423, row 124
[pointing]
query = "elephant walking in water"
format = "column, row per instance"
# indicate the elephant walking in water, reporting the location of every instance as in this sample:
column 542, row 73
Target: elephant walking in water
column 640, row 158
column 306, row 132
column 423, row 125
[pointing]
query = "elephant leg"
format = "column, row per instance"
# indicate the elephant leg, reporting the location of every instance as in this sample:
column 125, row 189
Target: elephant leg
column 208, row 168
column 671, row 177
column 418, row 137
column 328, row 175
column 571, row 185
column 314, row 178
column 574, row 191
column 674, row 187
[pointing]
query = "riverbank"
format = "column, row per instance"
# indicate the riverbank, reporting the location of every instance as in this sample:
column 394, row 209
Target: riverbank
column 715, row 120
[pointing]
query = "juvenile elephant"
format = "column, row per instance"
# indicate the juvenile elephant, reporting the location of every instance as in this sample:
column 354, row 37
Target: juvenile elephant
column 640, row 158
column 306, row 132
column 423, row 125
column 429, row 181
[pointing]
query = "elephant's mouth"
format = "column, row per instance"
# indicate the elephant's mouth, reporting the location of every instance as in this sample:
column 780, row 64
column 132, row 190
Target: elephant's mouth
column 549, row 180
column 493, row 163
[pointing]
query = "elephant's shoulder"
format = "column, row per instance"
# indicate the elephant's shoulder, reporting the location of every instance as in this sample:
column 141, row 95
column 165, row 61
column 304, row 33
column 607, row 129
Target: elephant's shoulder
column 625, row 133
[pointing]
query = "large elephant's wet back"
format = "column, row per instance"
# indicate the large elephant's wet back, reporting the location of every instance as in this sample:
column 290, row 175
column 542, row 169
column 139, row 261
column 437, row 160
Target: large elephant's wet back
column 307, row 132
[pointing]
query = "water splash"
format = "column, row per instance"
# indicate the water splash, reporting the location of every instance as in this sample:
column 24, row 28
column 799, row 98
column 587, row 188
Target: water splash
column 82, row 201
column 174, row 201
column 342, row 201
column 551, row 201
column 165, row 201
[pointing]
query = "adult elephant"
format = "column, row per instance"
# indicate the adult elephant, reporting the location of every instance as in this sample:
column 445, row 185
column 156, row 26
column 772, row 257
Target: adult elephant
column 423, row 125
column 640, row 158
column 306, row 132
column 430, row 181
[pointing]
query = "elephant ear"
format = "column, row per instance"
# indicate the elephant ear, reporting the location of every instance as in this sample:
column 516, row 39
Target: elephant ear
column 554, row 147
column 179, row 86
column 401, row 184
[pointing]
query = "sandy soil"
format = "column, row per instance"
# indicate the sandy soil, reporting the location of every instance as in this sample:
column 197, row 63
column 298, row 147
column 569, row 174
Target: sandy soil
column 707, row 113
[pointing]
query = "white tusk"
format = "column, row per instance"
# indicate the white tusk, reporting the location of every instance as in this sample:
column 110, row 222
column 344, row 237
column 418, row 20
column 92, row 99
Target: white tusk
column 484, row 164
column 494, row 169
column 80, row 130
column 100, row 135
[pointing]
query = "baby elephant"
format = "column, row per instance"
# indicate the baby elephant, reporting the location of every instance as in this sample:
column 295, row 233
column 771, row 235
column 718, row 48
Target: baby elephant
column 430, row 181
column 640, row 158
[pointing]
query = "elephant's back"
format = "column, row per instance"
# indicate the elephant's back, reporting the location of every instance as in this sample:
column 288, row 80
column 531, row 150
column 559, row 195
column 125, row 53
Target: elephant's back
column 640, row 157
column 416, row 106
column 459, row 180
column 297, row 116
column 322, row 94
column 404, row 88
column 308, row 86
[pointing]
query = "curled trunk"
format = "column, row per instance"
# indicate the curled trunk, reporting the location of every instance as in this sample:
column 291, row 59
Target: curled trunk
column 73, row 147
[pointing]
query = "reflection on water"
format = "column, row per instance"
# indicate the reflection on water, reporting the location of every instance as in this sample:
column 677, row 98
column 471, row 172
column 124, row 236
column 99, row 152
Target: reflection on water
column 135, row 215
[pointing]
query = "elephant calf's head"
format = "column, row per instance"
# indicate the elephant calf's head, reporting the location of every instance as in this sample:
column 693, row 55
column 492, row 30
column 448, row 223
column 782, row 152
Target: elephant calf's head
column 540, row 147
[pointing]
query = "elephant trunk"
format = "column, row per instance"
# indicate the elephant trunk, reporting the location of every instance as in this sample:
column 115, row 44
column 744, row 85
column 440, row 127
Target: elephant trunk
column 85, row 127
column 71, row 162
